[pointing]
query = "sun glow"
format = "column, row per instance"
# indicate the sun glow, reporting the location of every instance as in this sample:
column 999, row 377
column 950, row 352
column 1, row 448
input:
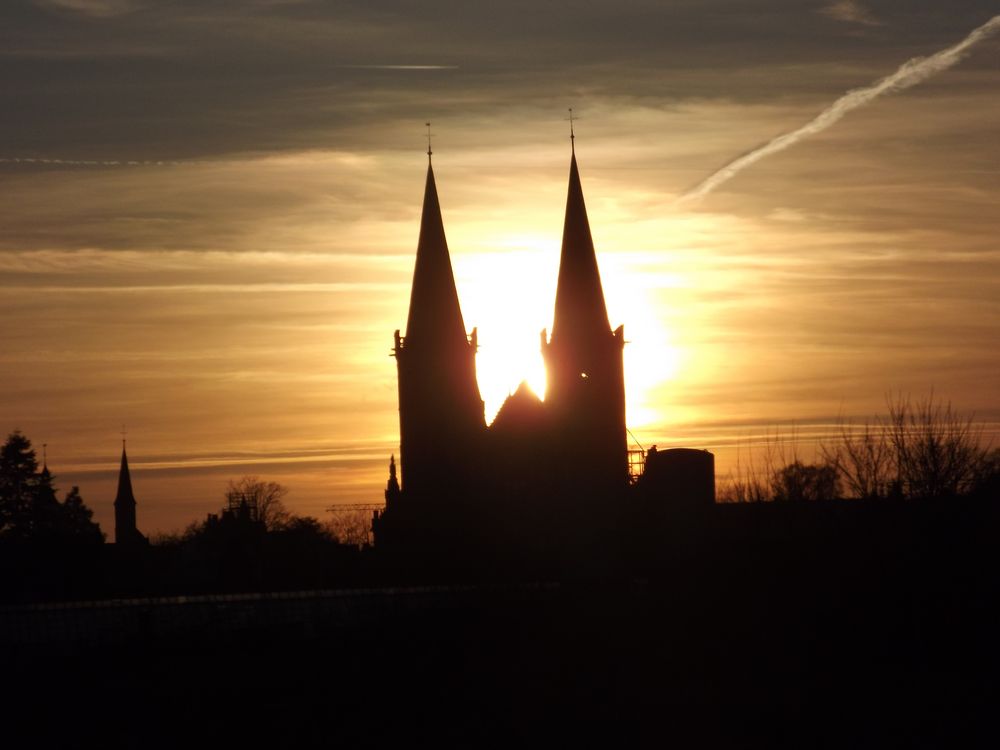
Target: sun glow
column 508, row 296
column 658, row 280
column 652, row 355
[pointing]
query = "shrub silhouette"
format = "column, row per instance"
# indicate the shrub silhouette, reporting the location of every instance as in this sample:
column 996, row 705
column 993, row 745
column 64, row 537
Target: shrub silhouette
column 920, row 449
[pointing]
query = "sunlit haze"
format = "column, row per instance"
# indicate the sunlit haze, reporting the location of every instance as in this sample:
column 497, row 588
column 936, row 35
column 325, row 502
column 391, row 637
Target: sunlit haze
column 234, row 306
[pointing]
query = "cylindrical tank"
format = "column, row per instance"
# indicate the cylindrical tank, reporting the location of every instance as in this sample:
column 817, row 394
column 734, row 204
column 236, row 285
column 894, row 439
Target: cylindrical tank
column 682, row 476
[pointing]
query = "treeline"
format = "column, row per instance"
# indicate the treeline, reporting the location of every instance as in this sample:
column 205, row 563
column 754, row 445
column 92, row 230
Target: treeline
column 256, row 544
column 50, row 548
column 30, row 510
column 919, row 449
column 921, row 453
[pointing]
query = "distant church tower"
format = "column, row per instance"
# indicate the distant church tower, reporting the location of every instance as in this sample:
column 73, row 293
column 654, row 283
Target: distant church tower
column 126, row 533
column 441, row 413
column 585, row 392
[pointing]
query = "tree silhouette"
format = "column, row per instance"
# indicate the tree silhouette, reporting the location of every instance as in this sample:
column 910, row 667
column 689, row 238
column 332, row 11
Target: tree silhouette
column 259, row 500
column 987, row 483
column 938, row 451
column 76, row 519
column 350, row 525
column 922, row 449
column 29, row 506
column 863, row 457
column 19, row 481
column 799, row 481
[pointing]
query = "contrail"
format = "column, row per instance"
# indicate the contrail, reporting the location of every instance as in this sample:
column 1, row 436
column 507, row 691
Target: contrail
column 909, row 74
column 399, row 67
column 88, row 162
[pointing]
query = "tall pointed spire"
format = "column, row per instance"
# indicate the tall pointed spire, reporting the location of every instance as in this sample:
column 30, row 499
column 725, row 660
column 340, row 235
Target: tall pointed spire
column 440, row 407
column 580, row 310
column 585, row 388
column 124, row 495
column 435, row 314
column 126, row 532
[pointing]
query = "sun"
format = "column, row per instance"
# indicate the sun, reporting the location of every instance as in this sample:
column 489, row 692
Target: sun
column 652, row 357
column 508, row 294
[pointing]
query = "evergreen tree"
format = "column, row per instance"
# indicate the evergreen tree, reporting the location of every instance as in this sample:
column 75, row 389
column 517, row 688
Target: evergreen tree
column 29, row 506
column 19, row 481
column 45, row 517
column 77, row 520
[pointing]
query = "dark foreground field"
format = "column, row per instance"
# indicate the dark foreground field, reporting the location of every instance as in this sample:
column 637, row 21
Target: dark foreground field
column 742, row 637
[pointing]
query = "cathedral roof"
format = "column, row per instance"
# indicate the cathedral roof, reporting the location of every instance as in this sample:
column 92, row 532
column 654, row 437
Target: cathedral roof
column 520, row 411
column 580, row 310
column 435, row 315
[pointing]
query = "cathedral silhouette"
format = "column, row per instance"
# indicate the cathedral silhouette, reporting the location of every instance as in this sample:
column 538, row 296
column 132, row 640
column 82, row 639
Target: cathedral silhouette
column 544, row 475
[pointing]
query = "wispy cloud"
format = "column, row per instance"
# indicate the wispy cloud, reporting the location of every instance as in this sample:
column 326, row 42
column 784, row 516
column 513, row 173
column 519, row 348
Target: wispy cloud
column 910, row 73
column 399, row 67
column 95, row 8
column 851, row 11
column 54, row 161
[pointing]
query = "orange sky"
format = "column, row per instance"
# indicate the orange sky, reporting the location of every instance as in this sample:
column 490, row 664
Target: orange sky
column 235, row 309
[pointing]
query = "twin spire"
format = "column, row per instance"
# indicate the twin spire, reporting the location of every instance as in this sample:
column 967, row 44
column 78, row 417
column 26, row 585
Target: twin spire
column 580, row 309
column 435, row 315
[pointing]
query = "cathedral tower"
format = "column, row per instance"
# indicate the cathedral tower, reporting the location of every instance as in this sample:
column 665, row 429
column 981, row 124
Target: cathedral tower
column 441, row 418
column 585, row 394
column 535, row 479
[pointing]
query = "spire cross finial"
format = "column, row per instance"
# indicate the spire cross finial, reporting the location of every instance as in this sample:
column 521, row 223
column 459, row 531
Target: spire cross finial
column 572, row 135
column 124, row 433
column 429, row 151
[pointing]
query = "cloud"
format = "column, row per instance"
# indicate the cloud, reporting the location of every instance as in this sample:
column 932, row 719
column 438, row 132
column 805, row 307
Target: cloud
column 851, row 11
column 94, row 8
column 243, row 303
column 399, row 67
column 912, row 72
column 210, row 78
column 55, row 161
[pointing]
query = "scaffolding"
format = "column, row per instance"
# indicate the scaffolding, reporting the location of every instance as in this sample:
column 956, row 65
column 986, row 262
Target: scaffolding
column 243, row 506
column 636, row 459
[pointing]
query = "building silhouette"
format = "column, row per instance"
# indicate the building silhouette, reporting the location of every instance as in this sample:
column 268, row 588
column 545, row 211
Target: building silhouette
column 544, row 472
column 126, row 532
column 441, row 420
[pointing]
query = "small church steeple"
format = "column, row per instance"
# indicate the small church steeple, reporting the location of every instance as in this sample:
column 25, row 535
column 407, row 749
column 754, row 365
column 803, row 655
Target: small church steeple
column 125, row 526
